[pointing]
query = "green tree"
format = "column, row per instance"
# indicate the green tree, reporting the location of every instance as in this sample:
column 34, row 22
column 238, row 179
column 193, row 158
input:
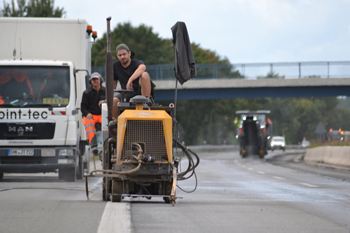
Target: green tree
column 33, row 8
column 146, row 45
column 44, row 8
column 271, row 75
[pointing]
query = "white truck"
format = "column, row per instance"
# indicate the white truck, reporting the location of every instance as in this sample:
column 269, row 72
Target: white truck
column 44, row 68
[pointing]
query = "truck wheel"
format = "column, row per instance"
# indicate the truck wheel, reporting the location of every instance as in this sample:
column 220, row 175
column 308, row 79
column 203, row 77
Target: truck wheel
column 80, row 169
column 117, row 190
column 67, row 174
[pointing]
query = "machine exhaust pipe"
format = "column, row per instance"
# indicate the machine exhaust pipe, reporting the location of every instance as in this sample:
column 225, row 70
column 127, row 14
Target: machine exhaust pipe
column 109, row 72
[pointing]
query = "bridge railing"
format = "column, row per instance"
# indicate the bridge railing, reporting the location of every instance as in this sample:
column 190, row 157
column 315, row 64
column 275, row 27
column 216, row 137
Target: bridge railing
column 287, row 70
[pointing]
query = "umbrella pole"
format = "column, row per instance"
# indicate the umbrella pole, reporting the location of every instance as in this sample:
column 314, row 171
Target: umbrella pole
column 175, row 101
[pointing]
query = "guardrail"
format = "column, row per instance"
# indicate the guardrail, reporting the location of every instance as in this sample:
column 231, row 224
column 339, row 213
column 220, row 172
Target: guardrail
column 286, row 70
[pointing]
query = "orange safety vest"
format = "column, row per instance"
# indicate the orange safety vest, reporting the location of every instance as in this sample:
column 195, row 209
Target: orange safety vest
column 90, row 125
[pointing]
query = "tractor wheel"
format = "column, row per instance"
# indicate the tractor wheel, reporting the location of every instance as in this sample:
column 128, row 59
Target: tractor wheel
column 117, row 190
column 168, row 186
column 243, row 153
column 106, row 189
column 261, row 154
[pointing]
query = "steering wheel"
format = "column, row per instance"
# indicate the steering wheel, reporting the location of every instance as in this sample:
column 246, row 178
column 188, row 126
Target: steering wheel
column 123, row 92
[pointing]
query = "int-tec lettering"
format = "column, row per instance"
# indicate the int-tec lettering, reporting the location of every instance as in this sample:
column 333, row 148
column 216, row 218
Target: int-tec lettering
column 42, row 115
column 13, row 115
column 36, row 115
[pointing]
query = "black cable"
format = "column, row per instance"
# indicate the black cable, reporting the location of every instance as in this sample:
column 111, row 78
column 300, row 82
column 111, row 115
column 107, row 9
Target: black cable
column 191, row 165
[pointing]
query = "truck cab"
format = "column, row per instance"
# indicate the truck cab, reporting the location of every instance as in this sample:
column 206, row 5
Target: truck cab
column 38, row 122
column 41, row 87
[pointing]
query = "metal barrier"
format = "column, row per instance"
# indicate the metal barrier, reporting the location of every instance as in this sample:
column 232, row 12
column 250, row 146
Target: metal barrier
column 287, row 70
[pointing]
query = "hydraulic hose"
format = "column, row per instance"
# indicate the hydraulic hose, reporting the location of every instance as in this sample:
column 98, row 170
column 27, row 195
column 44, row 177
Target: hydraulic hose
column 140, row 151
column 191, row 165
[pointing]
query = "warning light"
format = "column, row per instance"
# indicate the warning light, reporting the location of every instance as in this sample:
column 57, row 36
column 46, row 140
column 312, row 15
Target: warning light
column 339, row 130
column 89, row 29
column 330, row 129
column 94, row 35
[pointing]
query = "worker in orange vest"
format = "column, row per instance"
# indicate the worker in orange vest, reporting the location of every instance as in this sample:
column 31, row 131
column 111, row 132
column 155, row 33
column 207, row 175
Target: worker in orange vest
column 91, row 102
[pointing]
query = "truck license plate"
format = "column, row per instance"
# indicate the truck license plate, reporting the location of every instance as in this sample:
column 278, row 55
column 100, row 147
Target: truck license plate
column 26, row 152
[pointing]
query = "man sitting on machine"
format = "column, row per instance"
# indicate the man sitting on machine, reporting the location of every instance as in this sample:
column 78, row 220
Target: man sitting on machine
column 132, row 75
column 91, row 102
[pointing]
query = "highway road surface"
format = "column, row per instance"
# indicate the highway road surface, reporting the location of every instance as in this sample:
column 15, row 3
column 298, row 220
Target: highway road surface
column 276, row 194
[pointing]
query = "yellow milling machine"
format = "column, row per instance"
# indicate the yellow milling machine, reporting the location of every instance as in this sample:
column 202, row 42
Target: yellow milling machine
column 138, row 146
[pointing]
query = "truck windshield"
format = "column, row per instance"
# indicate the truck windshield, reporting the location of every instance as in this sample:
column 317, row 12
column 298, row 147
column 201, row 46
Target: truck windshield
column 42, row 86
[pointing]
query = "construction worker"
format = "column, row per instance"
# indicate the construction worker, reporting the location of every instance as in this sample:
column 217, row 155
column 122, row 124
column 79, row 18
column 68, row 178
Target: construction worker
column 91, row 102
column 131, row 75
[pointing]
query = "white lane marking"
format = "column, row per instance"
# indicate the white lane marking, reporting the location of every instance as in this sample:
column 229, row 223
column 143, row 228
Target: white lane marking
column 261, row 172
column 116, row 216
column 309, row 185
column 236, row 162
column 250, row 169
column 277, row 177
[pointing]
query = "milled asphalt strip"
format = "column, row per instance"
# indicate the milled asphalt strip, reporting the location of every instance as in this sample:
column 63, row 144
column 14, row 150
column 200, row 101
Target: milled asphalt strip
column 115, row 218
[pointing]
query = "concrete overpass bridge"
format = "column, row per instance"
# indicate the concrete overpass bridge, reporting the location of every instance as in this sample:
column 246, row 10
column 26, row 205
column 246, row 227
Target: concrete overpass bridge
column 259, row 88
column 254, row 80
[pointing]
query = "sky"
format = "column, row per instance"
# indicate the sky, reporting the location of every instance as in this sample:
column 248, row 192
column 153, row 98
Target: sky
column 244, row 31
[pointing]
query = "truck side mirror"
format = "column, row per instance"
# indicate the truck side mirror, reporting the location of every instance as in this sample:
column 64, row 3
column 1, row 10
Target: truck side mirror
column 87, row 80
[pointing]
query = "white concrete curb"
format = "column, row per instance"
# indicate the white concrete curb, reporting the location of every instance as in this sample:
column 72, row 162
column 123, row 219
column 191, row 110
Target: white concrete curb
column 335, row 155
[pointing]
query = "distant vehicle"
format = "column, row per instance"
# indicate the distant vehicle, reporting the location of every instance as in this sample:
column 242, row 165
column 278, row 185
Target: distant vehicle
column 278, row 142
column 254, row 132
column 305, row 144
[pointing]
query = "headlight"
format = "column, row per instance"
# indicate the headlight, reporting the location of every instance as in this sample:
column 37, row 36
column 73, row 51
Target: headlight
column 65, row 152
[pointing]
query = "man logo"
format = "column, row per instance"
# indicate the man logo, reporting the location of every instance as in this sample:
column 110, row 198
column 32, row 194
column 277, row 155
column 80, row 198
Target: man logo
column 20, row 130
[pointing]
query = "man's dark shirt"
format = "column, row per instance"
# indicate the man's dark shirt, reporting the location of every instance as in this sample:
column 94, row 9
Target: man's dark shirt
column 90, row 100
column 123, row 74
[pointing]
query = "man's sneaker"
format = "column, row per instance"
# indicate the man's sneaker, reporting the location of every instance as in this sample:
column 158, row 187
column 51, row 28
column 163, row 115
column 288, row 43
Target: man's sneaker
column 94, row 150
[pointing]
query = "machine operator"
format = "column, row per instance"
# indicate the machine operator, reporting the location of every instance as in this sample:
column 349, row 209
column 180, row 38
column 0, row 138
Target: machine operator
column 132, row 75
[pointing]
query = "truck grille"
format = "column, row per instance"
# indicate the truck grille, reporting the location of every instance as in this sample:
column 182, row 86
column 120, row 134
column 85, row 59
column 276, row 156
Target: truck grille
column 43, row 130
column 149, row 134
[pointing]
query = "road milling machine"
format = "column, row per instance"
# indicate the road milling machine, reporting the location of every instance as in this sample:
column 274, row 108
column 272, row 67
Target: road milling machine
column 139, row 146
column 254, row 132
